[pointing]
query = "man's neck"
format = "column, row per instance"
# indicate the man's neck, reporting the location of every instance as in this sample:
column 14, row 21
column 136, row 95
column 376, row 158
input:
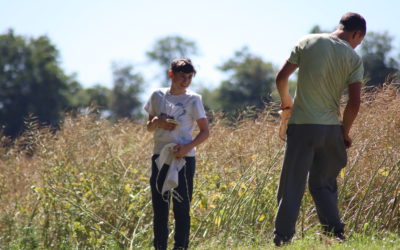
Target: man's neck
column 341, row 34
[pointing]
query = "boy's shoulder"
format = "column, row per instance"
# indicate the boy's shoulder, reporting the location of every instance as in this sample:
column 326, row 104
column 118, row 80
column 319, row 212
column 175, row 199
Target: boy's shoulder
column 193, row 94
column 162, row 91
column 158, row 92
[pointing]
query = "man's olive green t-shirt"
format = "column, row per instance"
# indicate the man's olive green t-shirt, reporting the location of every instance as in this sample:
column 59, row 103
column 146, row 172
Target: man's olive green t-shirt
column 327, row 65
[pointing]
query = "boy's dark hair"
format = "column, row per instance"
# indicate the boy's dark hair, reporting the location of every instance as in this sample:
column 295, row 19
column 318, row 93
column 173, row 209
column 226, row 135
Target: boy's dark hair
column 353, row 22
column 184, row 65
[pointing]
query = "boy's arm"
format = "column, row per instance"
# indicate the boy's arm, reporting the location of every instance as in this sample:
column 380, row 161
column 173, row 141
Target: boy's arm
column 282, row 84
column 182, row 150
column 159, row 122
column 351, row 110
column 151, row 123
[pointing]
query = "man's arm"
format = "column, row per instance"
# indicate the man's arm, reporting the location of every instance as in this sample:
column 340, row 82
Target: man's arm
column 351, row 110
column 182, row 150
column 282, row 84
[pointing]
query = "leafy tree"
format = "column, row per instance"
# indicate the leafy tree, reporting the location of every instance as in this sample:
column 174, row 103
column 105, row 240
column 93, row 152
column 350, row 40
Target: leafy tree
column 210, row 99
column 96, row 97
column 99, row 97
column 76, row 96
column 168, row 48
column 31, row 82
column 317, row 29
column 250, row 82
column 125, row 101
column 376, row 54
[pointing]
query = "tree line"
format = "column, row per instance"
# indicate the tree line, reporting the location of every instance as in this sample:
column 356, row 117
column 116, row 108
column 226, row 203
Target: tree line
column 33, row 84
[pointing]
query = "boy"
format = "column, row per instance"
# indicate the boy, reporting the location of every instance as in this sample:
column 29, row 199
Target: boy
column 173, row 113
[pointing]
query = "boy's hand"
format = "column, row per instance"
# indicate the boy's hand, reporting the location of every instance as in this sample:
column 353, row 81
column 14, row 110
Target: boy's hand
column 181, row 150
column 162, row 123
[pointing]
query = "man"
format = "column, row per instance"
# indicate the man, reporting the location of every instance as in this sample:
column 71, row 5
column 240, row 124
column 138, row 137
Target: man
column 173, row 113
column 316, row 137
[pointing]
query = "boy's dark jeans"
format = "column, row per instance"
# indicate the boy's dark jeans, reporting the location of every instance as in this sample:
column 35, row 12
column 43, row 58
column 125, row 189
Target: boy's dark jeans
column 181, row 209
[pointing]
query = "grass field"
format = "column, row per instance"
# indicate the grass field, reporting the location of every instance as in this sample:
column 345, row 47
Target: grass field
column 312, row 240
column 86, row 186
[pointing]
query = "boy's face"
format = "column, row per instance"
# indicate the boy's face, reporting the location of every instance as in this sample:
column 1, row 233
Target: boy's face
column 180, row 80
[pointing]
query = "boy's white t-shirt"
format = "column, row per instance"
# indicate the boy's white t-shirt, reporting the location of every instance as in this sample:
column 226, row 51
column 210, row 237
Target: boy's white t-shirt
column 186, row 108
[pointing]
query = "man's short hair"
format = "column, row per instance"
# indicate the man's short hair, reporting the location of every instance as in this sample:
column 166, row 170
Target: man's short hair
column 184, row 65
column 353, row 22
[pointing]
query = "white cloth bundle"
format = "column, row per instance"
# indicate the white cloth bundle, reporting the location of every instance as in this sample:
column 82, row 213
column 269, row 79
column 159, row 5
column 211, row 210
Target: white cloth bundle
column 175, row 165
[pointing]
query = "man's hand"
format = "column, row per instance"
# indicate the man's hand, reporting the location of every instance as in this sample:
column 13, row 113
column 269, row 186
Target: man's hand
column 286, row 103
column 347, row 140
column 181, row 150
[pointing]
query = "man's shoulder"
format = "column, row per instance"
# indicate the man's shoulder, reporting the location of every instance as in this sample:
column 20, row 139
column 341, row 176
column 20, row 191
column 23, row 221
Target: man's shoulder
column 313, row 37
column 316, row 35
column 343, row 48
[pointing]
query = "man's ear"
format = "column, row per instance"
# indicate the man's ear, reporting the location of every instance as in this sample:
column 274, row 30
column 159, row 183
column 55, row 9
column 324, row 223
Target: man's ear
column 170, row 74
column 361, row 34
column 357, row 34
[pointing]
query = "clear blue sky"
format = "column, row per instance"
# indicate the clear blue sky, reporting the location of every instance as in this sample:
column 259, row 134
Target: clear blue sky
column 91, row 34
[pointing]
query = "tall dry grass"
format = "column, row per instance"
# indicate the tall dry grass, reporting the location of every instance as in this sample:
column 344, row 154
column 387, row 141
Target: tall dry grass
column 87, row 185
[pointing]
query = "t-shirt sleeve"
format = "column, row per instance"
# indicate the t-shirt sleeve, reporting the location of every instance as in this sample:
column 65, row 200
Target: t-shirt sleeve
column 357, row 74
column 198, row 108
column 150, row 105
column 294, row 57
